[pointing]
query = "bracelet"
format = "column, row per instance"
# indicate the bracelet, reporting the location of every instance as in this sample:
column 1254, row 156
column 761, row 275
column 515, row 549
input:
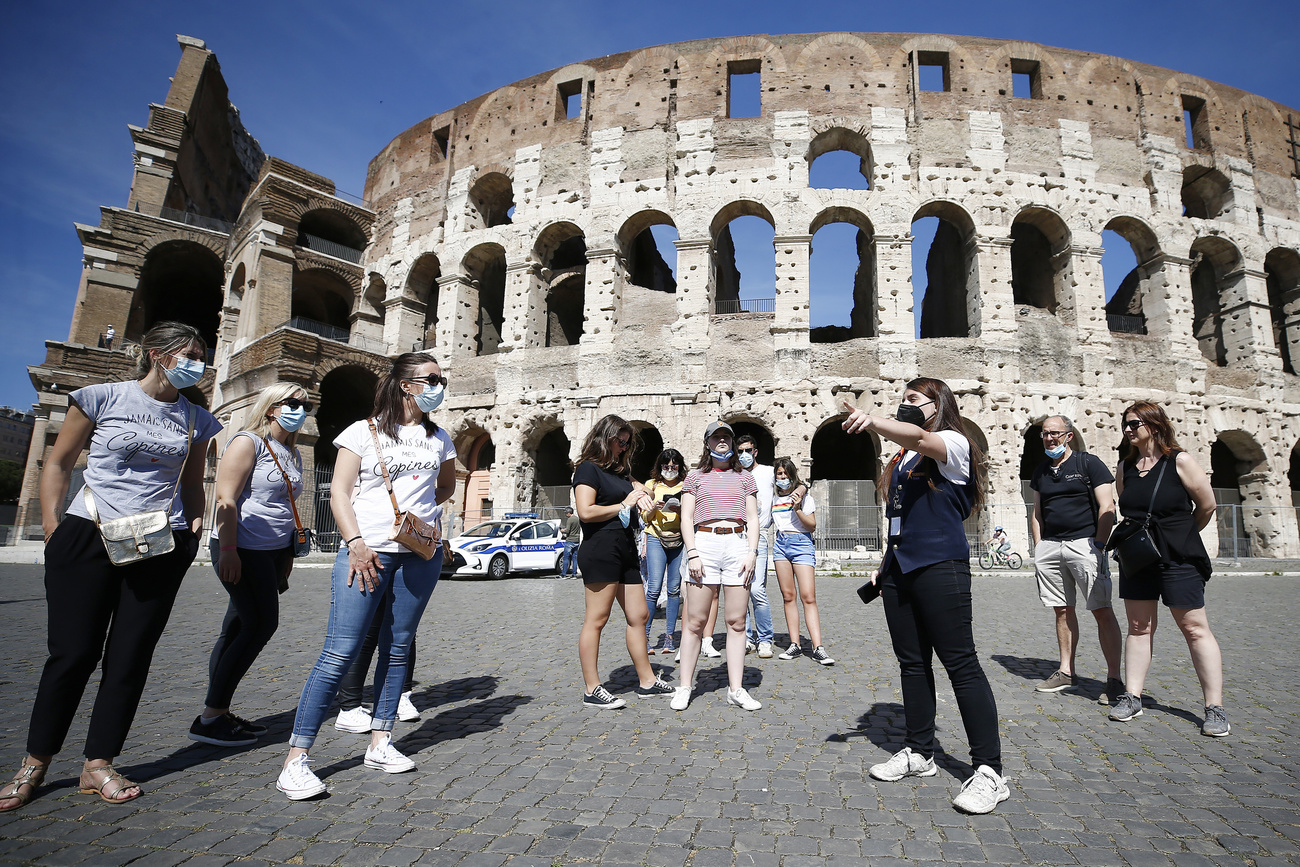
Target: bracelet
column 693, row 557
column 350, row 541
column 689, row 550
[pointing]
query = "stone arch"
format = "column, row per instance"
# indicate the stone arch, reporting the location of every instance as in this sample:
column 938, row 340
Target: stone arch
column 1049, row 69
column 959, row 59
column 502, row 107
column 861, row 312
column 421, row 287
column 1040, row 258
column 836, row 72
column 347, row 394
column 726, row 277
column 561, row 250
column 545, row 470
column 814, row 50
column 1216, row 274
column 1125, row 311
column 475, row 458
column 1282, row 275
column 321, row 301
column 650, row 442
column 330, row 231
column 485, row 295
column 950, row 305
column 1239, row 477
column 1102, row 71
column 640, row 255
column 842, row 471
column 552, row 105
column 754, row 424
column 180, row 280
column 843, row 139
column 736, row 47
column 1206, row 193
column 492, row 200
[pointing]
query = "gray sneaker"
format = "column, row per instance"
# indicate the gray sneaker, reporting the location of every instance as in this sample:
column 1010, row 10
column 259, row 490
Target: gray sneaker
column 904, row 763
column 1216, row 722
column 1128, row 707
column 1057, row 682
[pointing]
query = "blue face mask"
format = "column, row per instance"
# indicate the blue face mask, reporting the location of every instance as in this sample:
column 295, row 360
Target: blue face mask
column 746, row 459
column 292, row 419
column 431, row 398
column 721, row 455
column 187, row 372
column 1055, row 452
column 783, row 484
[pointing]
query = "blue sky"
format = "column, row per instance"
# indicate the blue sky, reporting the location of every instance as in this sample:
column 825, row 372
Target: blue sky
column 327, row 84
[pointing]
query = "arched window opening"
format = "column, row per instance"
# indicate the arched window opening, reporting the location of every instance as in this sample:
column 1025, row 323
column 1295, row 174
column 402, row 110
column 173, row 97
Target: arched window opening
column 332, row 233
column 422, row 285
column 553, row 473
column 563, row 251
column 648, row 244
column 486, row 267
column 1282, row 273
column 763, row 441
column 1132, row 267
column 744, row 266
column 945, row 280
column 1294, row 475
column 843, row 476
column 1240, row 488
column 842, row 278
column 1225, row 475
column 321, row 303
column 649, row 444
column 180, row 281
column 839, row 159
column 1207, row 193
column 476, row 499
column 1216, row 269
column 1040, row 244
column 493, row 199
column 347, row 394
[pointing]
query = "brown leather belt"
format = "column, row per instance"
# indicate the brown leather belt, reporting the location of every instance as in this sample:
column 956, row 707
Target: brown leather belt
column 721, row 531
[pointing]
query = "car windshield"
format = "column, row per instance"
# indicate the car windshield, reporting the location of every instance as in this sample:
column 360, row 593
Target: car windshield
column 494, row 530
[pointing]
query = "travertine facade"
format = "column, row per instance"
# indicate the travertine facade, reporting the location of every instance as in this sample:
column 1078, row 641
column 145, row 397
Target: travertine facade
column 509, row 236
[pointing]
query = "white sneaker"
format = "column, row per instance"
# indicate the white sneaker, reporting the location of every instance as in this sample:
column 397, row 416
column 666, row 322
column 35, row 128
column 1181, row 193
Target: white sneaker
column 765, row 650
column 743, row 700
column 386, row 757
column 707, row 648
column 406, row 711
column 356, row 720
column 298, row 781
column 982, row 792
column 681, row 698
column 750, row 646
column 904, row 763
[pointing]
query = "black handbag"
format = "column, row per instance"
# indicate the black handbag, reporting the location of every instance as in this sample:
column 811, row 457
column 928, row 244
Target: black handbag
column 1131, row 540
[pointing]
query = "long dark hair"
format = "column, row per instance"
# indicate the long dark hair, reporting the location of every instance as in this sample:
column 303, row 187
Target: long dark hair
column 791, row 472
column 668, row 456
column 595, row 447
column 946, row 417
column 390, row 399
column 1162, row 430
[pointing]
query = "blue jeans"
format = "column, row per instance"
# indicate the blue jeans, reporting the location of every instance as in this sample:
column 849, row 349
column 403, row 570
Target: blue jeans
column 663, row 562
column 402, row 591
column 569, row 559
column 758, row 624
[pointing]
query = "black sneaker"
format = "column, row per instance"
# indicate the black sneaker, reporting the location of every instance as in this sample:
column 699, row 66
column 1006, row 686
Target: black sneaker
column 221, row 732
column 601, row 697
column 1111, row 692
column 821, row 657
column 791, row 652
column 656, row 688
column 254, row 729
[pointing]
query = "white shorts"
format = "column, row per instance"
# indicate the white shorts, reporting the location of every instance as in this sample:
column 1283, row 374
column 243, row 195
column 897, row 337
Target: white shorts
column 722, row 557
column 1061, row 567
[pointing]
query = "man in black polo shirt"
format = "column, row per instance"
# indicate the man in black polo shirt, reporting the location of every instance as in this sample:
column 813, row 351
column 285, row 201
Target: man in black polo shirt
column 1074, row 511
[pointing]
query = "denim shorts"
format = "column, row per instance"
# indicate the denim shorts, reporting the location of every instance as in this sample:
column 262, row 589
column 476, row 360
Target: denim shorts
column 798, row 548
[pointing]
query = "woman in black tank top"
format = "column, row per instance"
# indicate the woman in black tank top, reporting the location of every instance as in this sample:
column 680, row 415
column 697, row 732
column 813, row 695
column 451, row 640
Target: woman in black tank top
column 1182, row 505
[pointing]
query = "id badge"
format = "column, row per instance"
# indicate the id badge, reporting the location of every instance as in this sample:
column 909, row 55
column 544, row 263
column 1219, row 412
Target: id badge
column 895, row 526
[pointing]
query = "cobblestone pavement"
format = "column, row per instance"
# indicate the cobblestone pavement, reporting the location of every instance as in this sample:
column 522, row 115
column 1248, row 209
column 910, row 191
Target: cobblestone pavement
column 513, row 770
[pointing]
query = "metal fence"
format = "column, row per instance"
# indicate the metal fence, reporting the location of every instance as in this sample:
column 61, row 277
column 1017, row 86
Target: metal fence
column 329, row 332
column 731, row 306
column 209, row 223
column 329, row 248
column 1122, row 323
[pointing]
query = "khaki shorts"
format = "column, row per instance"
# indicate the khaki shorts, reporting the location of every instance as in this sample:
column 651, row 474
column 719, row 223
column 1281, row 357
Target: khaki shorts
column 1061, row 567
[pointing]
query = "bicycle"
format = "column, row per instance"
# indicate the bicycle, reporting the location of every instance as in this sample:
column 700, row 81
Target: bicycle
column 991, row 557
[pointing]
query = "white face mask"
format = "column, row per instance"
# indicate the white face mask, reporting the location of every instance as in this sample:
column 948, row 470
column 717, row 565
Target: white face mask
column 668, row 475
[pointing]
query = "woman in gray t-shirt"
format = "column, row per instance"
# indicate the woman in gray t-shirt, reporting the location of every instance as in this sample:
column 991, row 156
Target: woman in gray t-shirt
column 147, row 443
column 252, row 550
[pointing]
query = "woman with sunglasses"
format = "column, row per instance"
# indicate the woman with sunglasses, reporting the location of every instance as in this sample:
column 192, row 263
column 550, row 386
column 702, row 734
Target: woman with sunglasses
column 663, row 542
column 720, row 530
column 147, row 445
column 934, row 482
column 259, row 476
column 608, row 500
column 1159, row 481
column 373, row 575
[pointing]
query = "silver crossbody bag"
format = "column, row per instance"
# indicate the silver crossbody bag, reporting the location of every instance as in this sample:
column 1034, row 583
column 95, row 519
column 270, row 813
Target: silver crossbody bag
column 144, row 534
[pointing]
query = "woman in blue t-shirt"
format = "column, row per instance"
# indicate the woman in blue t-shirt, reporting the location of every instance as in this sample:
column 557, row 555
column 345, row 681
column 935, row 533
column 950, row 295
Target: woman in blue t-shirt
column 147, row 444
column 252, row 550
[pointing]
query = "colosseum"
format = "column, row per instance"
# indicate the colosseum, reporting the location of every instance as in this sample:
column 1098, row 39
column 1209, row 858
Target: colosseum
column 564, row 246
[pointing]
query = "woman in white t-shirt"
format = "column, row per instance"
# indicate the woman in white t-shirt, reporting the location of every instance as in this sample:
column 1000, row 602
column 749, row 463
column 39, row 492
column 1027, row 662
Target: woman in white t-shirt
column 372, row 574
column 793, row 520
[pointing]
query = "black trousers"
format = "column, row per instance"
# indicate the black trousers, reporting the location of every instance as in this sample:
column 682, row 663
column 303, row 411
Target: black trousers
column 98, row 610
column 355, row 680
column 929, row 614
column 252, row 616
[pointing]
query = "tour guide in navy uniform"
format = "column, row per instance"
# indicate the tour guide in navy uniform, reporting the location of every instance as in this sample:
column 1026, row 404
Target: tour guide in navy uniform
column 1074, row 511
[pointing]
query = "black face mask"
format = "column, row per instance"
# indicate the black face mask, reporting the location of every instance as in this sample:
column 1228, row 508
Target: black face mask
column 911, row 413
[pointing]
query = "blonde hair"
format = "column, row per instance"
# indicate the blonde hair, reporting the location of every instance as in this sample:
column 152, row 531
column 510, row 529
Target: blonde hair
column 166, row 337
column 258, row 422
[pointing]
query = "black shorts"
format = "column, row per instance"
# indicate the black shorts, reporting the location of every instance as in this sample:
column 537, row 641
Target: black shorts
column 609, row 555
column 1178, row 585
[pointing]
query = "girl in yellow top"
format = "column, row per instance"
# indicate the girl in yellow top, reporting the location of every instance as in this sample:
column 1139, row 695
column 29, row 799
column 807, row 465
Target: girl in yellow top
column 663, row 541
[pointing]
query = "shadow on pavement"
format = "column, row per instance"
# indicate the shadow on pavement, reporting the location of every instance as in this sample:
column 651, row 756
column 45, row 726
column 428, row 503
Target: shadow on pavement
column 883, row 725
column 1028, row 667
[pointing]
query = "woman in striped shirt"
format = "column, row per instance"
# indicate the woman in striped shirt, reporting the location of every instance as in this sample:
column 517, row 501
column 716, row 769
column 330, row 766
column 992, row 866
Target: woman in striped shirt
column 720, row 531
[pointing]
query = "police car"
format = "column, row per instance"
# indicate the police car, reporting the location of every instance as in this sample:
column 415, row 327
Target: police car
column 519, row 543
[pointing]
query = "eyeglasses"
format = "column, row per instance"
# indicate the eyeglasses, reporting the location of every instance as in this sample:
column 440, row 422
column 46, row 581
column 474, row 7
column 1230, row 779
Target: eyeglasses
column 295, row 403
column 1133, row 424
column 623, row 442
column 432, row 380
column 1054, row 434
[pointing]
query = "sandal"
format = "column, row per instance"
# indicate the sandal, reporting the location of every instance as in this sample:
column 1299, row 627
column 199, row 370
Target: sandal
column 111, row 778
column 29, row 775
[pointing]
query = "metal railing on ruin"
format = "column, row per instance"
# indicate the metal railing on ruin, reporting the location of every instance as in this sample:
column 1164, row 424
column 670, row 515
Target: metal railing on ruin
column 732, row 306
column 1122, row 323
column 210, row 223
column 329, row 248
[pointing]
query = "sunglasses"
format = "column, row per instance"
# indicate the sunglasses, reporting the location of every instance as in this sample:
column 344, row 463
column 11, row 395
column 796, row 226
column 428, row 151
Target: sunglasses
column 432, row 380
column 1133, row 424
column 295, row 403
column 623, row 442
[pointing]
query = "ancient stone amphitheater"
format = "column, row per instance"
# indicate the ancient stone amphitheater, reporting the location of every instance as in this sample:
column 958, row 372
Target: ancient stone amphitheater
column 520, row 238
